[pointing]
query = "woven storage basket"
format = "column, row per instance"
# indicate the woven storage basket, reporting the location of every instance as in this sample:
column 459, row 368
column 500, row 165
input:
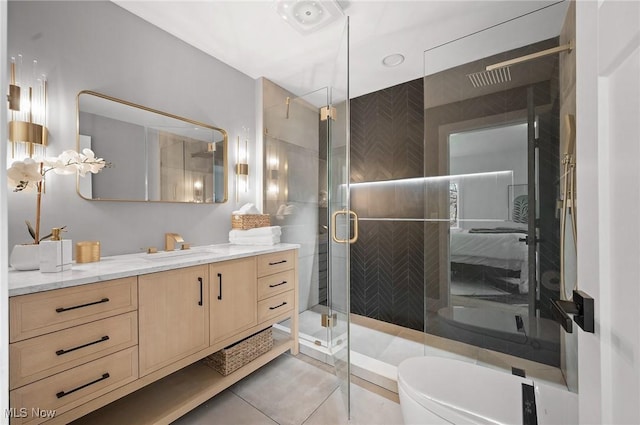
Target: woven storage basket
column 239, row 354
column 250, row 221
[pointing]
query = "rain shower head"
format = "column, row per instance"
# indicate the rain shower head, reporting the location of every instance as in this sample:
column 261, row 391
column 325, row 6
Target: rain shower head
column 488, row 78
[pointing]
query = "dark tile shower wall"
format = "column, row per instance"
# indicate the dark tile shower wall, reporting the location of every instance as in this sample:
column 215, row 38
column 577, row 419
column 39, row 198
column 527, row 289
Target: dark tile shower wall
column 387, row 143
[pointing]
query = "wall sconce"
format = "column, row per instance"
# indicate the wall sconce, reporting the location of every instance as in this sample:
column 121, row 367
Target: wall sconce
column 27, row 110
column 242, row 166
column 273, row 166
column 198, row 193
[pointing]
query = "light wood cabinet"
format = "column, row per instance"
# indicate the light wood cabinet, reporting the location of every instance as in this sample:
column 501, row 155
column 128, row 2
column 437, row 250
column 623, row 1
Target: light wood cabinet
column 234, row 296
column 76, row 386
column 128, row 350
column 44, row 312
column 173, row 311
column 45, row 355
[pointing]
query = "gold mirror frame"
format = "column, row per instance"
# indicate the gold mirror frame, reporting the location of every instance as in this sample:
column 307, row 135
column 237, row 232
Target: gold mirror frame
column 225, row 142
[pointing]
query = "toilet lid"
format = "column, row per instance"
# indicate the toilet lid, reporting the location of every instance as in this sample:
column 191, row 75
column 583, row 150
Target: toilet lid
column 463, row 388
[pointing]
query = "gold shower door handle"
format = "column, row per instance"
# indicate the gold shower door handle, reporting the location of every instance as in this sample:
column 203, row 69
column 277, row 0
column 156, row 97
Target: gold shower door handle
column 334, row 221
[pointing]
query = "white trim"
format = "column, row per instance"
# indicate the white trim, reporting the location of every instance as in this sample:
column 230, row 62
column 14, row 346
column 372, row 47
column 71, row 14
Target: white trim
column 4, row 223
column 588, row 220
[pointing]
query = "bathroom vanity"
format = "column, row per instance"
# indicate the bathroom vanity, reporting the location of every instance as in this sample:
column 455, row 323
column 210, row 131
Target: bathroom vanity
column 121, row 340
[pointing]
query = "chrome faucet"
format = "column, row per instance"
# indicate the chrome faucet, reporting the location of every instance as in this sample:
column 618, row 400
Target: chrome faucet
column 170, row 240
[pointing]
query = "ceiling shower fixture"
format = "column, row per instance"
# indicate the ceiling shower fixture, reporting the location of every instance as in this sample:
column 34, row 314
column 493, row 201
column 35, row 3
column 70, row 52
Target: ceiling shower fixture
column 307, row 16
column 488, row 78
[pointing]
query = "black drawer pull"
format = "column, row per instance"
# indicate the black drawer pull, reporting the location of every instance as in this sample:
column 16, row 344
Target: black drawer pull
column 64, row 393
column 61, row 309
column 278, row 306
column 61, row 352
column 200, row 280
column 219, row 286
column 277, row 262
column 278, row 284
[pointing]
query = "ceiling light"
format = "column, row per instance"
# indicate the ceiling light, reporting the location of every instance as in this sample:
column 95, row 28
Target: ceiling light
column 393, row 60
column 307, row 16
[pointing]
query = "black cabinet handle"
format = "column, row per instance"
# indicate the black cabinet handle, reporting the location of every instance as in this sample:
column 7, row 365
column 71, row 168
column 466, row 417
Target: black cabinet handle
column 219, row 286
column 278, row 306
column 61, row 352
column 61, row 309
column 277, row 262
column 278, row 284
column 64, row 393
column 200, row 280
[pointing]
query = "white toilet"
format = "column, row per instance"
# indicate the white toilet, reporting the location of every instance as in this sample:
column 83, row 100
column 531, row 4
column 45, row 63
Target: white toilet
column 437, row 390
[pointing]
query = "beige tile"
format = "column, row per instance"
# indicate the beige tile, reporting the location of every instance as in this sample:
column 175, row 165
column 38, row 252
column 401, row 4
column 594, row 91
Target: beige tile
column 367, row 408
column 383, row 392
column 378, row 325
column 370, row 342
column 225, row 409
column 316, row 362
column 288, row 390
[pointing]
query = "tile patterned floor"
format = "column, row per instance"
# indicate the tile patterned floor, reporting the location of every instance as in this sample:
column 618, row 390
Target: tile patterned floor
column 295, row 390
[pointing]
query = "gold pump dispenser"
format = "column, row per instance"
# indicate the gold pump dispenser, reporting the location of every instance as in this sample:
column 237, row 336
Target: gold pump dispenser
column 55, row 233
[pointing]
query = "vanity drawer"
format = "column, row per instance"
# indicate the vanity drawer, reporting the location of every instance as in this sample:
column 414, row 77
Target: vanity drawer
column 276, row 262
column 275, row 284
column 44, row 312
column 76, row 386
column 43, row 356
column 275, row 306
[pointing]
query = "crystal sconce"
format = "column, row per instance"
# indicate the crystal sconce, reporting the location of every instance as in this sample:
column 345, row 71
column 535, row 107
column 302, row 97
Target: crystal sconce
column 27, row 110
column 242, row 165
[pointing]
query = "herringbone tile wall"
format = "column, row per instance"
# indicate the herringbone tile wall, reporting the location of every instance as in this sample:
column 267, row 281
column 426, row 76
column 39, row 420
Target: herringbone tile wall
column 387, row 267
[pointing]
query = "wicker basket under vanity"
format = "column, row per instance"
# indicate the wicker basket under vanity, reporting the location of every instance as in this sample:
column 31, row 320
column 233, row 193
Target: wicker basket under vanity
column 250, row 221
column 239, row 354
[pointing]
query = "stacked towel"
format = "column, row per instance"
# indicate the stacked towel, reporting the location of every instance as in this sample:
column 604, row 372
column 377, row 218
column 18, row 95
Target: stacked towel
column 258, row 236
column 246, row 209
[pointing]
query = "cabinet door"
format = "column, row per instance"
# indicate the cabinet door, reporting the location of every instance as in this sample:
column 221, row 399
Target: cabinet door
column 234, row 297
column 173, row 310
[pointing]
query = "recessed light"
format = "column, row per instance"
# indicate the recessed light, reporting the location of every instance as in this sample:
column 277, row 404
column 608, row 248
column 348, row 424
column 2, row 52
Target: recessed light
column 393, row 60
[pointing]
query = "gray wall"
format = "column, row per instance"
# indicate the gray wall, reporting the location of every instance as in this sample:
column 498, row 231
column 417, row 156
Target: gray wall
column 126, row 177
column 99, row 46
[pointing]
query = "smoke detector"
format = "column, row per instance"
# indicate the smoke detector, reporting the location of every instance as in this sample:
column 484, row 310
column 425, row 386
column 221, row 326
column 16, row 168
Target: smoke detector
column 307, row 16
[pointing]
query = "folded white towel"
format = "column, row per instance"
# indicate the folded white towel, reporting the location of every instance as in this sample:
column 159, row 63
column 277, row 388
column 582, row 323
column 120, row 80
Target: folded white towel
column 262, row 240
column 246, row 209
column 258, row 231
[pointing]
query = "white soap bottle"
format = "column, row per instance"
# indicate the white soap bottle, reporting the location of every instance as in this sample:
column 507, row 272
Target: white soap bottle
column 55, row 254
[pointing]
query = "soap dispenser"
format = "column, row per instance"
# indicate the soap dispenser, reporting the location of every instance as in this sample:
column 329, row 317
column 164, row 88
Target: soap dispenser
column 55, row 254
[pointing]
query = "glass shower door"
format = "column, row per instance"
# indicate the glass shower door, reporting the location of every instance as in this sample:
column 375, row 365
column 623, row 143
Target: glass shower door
column 306, row 192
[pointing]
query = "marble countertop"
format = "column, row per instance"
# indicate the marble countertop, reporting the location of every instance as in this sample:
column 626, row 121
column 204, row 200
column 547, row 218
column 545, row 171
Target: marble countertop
column 118, row 266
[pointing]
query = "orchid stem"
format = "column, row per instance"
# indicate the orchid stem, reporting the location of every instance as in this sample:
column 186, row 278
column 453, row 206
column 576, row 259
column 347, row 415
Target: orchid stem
column 38, row 202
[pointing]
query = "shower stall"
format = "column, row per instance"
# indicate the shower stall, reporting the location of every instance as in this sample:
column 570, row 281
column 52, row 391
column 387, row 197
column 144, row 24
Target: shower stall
column 430, row 213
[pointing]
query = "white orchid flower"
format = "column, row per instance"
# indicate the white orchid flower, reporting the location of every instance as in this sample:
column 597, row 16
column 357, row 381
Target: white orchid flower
column 89, row 162
column 67, row 163
column 24, row 175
